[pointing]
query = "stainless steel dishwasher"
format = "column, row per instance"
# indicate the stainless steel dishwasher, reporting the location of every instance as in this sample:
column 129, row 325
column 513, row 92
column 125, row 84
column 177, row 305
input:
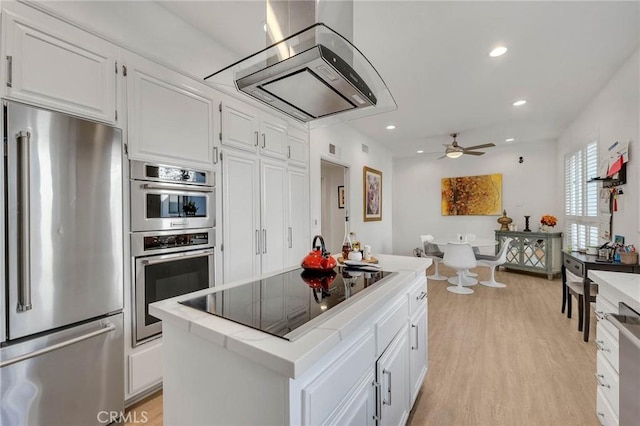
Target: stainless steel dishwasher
column 628, row 323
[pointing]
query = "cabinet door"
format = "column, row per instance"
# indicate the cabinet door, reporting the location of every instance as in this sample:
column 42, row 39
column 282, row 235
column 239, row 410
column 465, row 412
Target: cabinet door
column 391, row 373
column 273, row 138
column 298, row 153
column 417, row 352
column 53, row 64
column 299, row 242
column 359, row 409
column 273, row 177
column 171, row 117
column 241, row 216
column 240, row 128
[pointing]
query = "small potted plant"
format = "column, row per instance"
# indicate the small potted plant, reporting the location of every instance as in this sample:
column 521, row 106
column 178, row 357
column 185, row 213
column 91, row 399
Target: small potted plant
column 547, row 222
column 190, row 208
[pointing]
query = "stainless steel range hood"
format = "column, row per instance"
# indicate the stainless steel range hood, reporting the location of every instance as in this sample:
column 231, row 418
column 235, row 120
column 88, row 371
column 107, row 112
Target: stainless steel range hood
column 314, row 75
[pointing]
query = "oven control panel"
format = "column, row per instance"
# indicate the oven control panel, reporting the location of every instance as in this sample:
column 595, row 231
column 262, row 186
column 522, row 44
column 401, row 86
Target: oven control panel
column 157, row 242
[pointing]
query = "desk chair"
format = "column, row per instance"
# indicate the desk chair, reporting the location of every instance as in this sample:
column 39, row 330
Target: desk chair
column 460, row 257
column 576, row 288
column 494, row 261
column 432, row 251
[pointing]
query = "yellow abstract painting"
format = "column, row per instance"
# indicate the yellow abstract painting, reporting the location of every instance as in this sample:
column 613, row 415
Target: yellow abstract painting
column 472, row 195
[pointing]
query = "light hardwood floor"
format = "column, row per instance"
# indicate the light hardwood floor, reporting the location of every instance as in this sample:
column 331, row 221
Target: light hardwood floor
column 497, row 357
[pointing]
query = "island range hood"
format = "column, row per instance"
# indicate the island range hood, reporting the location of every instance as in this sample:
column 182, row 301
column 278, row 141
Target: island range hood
column 313, row 75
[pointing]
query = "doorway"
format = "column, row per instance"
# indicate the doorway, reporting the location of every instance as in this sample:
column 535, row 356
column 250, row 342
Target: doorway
column 335, row 203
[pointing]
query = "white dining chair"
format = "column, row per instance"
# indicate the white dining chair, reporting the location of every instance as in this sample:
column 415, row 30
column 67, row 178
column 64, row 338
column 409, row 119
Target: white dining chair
column 494, row 261
column 459, row 256
column 432, row 251
column 470, row 238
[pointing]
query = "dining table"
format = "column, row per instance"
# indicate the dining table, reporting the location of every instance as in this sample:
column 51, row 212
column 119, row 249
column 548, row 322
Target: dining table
column 474, row 242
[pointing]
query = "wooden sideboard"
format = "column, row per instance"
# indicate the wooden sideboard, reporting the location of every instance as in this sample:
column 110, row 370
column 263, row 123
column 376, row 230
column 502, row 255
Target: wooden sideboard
column 538, row 252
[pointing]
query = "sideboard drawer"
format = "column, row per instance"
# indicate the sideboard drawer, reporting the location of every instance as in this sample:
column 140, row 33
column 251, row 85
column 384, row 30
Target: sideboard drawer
column 607, row 345
column 574, row 267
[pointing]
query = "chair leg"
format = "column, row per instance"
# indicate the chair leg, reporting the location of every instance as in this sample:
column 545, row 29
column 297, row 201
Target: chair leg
column 436, row 276
column 492, row 282
column 569, row 301
column 580, row 312
column 459, row 288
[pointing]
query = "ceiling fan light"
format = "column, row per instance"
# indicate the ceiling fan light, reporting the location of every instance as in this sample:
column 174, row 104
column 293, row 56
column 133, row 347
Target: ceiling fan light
column 454, row 154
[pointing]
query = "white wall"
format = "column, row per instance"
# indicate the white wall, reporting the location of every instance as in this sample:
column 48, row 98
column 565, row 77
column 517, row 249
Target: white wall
column 528, row 188
column 613, row 115
column 348, row 142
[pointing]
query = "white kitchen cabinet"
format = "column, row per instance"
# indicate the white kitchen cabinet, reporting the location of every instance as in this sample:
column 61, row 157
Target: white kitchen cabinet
column 359, row 408
column 241, row 216
column 171, row 118
column 251, row 130
column 56, row 65
column 273, row 220
column 417, row 352
column 298, row 149
column 240, row 127
column 145, row 367
column 392, row 375
column 254, row 219
column 273, row 134
column 298, row 238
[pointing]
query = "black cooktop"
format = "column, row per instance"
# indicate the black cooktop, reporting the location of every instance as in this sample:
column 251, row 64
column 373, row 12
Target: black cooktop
column 285, row 305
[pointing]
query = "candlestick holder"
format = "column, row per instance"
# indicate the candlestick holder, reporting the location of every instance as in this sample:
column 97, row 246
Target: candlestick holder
column 526, row 224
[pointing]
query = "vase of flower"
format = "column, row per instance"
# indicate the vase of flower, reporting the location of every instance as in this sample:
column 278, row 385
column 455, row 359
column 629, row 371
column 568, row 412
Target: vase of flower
column 547, row 222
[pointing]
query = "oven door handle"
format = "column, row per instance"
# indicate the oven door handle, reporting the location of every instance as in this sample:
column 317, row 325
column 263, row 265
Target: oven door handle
column 177, row 187
column 171, row 257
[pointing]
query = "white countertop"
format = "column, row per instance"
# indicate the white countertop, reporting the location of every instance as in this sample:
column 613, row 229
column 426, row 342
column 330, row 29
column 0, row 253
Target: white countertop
column 625, row 286
column 291, row 359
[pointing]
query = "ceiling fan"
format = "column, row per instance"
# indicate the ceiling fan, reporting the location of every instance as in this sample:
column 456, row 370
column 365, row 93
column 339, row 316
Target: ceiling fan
column 454, row 150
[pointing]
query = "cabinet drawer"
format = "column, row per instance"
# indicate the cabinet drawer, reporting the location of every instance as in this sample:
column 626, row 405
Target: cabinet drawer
column 390, row 323
column 607, row 345
column 574, row 267
column 604, row 410
column 325, row 393
column 145, row 368
column 603, row 306
column 418, row 296
column 608, row 381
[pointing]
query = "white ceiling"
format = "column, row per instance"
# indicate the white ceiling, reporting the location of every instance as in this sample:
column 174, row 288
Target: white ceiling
column 434, row 58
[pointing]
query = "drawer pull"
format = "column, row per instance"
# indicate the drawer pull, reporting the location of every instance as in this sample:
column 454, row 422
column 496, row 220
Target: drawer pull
column 421, row 296
column 601, row 414
column 601, row 347
column 604, row 385
column 600, row 315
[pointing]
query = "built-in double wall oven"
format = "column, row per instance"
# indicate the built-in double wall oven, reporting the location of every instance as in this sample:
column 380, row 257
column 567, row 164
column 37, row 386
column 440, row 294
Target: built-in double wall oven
column 172, row 237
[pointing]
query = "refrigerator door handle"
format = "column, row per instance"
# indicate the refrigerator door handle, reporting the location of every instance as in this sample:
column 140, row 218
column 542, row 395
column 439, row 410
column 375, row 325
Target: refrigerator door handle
column 24, row 282
column 108, row 327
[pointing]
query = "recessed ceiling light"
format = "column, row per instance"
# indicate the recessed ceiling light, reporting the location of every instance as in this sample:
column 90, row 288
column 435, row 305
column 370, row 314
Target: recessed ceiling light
column 391, row 127
column 520, row 102
column 509, row 140
column 419, row 151
column 498, row 51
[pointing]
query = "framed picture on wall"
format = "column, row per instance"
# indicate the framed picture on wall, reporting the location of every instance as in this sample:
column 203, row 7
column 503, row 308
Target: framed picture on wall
column 372, row 194
column 341, row 197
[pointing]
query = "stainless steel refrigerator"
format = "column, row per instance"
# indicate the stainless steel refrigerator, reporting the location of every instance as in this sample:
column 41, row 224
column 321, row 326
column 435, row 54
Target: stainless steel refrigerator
column 61, row 332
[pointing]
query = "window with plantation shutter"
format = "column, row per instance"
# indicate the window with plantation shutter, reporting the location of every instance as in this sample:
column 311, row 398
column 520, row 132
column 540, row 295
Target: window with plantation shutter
column 581, row 197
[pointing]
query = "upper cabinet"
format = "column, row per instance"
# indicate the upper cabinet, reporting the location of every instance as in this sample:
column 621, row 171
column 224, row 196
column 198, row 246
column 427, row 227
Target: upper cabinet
column 55, row 65
column 298, row 147
column 170, row 116
column 251, row 130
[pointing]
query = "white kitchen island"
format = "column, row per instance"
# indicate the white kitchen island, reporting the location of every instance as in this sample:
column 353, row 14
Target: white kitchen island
column 362, row 360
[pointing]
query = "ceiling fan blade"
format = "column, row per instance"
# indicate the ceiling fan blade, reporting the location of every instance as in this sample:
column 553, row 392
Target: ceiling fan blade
column 440, row 158
column 486, row 145
column 473, row 152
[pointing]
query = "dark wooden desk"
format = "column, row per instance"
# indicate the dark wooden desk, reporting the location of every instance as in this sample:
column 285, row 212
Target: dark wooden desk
column 579, row 264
